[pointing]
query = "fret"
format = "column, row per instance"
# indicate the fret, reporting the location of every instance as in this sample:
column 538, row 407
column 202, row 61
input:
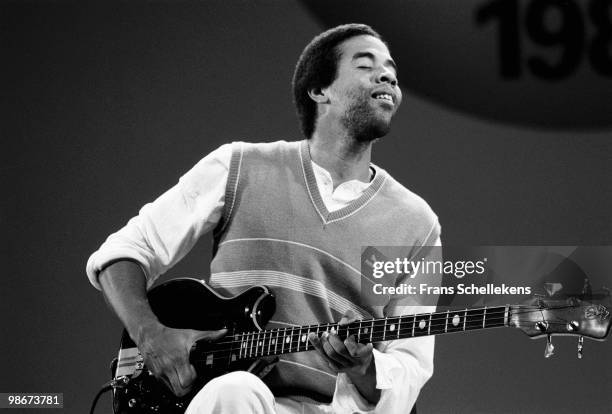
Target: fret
column 283, row 341
column 484, row 317
column 464, row 318
column 291, row 339
column 496, row 317
column 371, row 329
column 436, row 325
column 307, row 344
column 258, row 345
column 276, row 341
column 474, row 319
column 247, row 346
column 252, row 335
column 269, row 342
column 385, row 329
column 299, row 339
column 413, row 324
column 429, row 324
column 446, row 323
column 262, row 343
column 355, row 330
column 399, row 326
column 242, row 346
column 359, row 332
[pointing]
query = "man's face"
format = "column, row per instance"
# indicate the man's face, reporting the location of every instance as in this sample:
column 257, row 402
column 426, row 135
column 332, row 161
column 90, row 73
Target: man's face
column 365, row 94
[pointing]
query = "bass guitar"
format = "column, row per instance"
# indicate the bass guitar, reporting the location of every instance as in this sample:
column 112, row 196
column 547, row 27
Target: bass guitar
column 190, row 304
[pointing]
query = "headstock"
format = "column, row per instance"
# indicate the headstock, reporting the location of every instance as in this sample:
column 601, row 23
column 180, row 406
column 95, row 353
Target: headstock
column 572, row 316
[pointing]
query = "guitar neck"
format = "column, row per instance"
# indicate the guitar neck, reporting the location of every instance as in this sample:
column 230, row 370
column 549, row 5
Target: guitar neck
column 295, row 339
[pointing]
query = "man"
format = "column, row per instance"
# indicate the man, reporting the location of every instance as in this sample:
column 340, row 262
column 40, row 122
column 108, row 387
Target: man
column 292, row 216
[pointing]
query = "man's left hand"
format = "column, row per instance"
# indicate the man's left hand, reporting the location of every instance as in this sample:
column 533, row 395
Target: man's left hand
column 347, row 355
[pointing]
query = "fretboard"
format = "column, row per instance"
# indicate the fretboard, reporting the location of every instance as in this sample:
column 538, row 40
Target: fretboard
column 295, row 339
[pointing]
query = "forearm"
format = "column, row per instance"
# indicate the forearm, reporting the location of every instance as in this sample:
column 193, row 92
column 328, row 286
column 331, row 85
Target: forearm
column 366, row 383
column 124, row 288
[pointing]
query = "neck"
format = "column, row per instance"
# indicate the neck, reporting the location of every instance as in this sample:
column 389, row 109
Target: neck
column 342, row 155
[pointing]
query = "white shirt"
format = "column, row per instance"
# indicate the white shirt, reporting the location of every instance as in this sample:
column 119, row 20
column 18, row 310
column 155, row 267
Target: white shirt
column 165, row 231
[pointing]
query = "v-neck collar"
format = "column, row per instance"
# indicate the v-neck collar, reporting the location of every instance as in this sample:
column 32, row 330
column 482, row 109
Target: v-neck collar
column 315, row 195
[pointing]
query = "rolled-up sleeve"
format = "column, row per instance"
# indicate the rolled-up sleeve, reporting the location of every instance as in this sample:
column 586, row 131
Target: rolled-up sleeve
column 165, row 230
column 402, row 366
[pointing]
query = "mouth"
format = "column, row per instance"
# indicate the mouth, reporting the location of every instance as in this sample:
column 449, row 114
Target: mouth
column 384, row 97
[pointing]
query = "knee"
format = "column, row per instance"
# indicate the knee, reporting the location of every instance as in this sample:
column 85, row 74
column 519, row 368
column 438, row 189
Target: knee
column 237, row 391
column 236, row 383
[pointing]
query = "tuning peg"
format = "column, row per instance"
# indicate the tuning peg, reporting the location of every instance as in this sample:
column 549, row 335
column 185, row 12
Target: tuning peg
column 550, row 348
column 580, row 342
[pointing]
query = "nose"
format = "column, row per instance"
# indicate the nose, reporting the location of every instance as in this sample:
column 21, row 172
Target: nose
column 387, row 75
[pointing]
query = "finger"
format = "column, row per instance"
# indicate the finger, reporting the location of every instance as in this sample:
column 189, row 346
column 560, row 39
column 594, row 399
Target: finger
column 209, row 336
column 186, row 375
column 316, row 342
column 335, row 349
column 363, row 351
column 166, row 382
column 350, row 315
column 352, row 346
column 175, row 386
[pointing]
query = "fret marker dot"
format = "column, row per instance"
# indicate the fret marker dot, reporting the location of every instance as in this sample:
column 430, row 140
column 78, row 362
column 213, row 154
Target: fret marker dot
column 233, row 357
column 244, row 344
column 260, row 343
column 304, row 338
column 288, row 339
column 422, row 324
column 365, row 330
column 456, row 320
column 392, row 327
column 273, row 341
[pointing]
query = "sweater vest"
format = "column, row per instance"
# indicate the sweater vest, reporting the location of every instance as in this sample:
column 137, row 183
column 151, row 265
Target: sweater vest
column 276, row 231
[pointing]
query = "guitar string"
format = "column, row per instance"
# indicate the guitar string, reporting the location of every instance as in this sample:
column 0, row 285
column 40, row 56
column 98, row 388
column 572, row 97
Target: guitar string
column 307, row 346
column 304, row 346
column 262, row 347
column 253, row 338
column 499, row 311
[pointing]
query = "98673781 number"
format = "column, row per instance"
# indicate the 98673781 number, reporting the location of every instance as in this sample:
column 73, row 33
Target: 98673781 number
column 31, row 400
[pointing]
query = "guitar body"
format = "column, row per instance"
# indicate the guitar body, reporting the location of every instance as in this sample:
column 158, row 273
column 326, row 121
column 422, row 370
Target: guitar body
column 188, row 304
column 191, row 304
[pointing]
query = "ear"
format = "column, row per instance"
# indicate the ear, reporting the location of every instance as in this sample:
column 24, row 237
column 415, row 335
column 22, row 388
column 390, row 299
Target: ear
column 319, row 95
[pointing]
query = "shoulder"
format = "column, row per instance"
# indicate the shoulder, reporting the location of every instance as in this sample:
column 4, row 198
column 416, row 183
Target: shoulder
column 405, row 198
column 264, row 148
column 404, row 203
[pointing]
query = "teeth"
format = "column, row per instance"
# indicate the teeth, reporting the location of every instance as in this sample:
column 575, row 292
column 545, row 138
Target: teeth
column 384, row 96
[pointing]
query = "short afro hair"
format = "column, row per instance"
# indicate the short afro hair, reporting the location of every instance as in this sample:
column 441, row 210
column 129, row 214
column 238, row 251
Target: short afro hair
column 317, row 68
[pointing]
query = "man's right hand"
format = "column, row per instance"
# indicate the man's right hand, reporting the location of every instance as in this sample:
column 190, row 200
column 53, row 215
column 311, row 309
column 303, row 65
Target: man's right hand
column 165, row 350
column 166, row 354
